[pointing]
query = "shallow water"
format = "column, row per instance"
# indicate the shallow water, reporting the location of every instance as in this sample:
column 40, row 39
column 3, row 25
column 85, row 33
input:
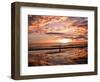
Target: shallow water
column 67, row 56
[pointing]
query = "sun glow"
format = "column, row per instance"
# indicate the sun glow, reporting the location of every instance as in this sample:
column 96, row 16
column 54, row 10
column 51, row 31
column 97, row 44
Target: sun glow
column 65, row 40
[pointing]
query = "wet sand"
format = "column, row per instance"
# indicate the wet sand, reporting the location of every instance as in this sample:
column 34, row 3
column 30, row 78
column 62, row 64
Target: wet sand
column 66, row 56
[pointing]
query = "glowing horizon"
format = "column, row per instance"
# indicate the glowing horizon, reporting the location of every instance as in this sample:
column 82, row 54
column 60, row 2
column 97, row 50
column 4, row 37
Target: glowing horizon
column 64, row 40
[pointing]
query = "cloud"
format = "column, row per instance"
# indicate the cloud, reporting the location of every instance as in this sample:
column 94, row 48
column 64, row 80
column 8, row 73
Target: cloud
column 58, row 24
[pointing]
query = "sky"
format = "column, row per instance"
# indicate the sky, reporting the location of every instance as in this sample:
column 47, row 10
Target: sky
column 41, row 26
column 56, row 24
